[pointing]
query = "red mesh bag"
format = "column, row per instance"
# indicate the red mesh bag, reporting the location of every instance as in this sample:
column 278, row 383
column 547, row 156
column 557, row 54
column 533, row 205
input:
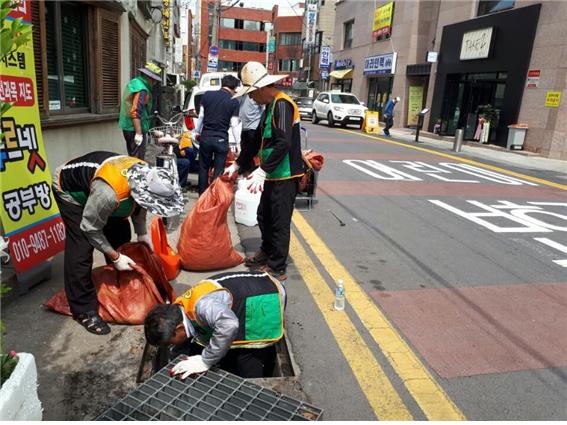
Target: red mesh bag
column 204, row 241
column 125, row 297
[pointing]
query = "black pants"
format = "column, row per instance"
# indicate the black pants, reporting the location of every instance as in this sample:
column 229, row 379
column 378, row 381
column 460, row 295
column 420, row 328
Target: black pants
column 139, row 151
column 246, row 143
column 274, row 219
column 212, row 152
column 389, row 124
column 78, row 261
column 244, row 362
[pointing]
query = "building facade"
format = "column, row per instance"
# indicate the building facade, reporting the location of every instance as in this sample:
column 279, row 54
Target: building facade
column 85, row 53
column 464, row 60
column 325, row 27
column 289, row 52
column 243, row 35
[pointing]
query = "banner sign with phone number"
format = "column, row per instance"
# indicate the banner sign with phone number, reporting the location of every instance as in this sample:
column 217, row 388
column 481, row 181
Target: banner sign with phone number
column 29, row 213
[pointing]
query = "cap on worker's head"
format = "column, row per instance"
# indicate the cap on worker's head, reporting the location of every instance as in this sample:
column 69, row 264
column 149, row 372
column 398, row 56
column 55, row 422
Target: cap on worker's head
column 398, row 98
column 155, row 189
column 254, row 76
column 151, row 70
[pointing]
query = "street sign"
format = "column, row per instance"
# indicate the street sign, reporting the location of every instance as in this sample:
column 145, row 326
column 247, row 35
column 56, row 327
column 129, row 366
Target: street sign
column 324, row 74
column 214, row 50
column 213, row 63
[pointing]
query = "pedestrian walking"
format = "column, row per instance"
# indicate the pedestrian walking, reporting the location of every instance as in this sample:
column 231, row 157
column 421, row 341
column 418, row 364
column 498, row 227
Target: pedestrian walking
column 136, row 109
column 389, row 114
column 250, row 114
column 218, row 112
column 277, row 142
column 96, row 194
column 237, row 317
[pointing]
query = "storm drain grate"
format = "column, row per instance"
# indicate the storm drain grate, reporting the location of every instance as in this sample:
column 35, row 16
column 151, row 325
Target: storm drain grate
column 213, row 396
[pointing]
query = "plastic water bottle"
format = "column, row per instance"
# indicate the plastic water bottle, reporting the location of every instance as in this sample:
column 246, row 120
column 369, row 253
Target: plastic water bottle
column 340, row 296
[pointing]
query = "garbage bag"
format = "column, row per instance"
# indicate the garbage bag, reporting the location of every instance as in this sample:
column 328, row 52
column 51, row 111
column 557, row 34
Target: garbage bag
column 204, row 240
column 125, row 297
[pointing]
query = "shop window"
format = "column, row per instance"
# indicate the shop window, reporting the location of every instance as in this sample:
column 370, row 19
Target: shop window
column 290, row 38
column 76, row 50
column 348, row 33
column 486, row 7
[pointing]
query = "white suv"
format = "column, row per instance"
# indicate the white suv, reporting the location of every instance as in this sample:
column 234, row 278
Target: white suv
column 337, row 107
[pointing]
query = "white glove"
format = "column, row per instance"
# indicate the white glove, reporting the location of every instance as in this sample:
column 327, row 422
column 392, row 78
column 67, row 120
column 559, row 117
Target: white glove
column 123, row 263
column 146, row 238
column 257, row 178
column 139, row 138
column 231, row 170
column 191, row 366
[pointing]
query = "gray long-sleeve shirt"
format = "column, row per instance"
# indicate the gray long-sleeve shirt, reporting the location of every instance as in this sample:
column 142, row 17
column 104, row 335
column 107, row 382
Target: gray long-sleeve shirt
column 214, row 311
column 100, row 205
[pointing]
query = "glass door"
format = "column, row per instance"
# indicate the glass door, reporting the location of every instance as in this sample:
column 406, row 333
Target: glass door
column 378, row 93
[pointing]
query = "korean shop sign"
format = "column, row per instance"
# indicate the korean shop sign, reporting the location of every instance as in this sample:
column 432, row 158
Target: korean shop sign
column 324, row 57
column 343, row 64
column 553, row 99
column 476, row 44
column 380, row 64
column 382, row 25
column 165, row 23
column 29, row 214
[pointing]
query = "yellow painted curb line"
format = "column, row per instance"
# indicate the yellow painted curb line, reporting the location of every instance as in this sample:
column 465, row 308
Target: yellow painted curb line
column 377, row 388
column 467, row 161
column 427, row 393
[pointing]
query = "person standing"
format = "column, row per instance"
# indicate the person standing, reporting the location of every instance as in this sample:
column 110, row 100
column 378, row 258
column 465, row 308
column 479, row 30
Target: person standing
column 136, row 109
column 278, row 144
column 389, row 114
column 219, row 111
column 237, row 317
column 96, row 194
column 250, row 114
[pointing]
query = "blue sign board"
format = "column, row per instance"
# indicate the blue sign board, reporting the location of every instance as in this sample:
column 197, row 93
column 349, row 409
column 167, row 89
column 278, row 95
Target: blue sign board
column 324, row 57
column 214, row 50
column 343, row 63
column 324, row 74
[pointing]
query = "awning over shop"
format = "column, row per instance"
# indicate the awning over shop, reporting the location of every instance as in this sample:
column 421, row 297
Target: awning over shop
column 340, row 74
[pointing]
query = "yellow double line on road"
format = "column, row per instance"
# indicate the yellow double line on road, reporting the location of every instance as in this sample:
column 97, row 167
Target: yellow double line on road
column 464, row 160
column 376, row 386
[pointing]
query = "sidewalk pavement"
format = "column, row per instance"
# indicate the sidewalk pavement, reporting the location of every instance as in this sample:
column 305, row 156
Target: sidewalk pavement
column 80, row 375
column 516, row 158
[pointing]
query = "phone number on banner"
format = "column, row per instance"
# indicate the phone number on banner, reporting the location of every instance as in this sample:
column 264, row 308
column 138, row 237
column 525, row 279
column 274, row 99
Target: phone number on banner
column 37, row 243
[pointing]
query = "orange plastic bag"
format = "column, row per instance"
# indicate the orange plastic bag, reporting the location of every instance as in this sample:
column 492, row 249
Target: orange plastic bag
column 169, row 259
column 204, row 241
column 125, row 297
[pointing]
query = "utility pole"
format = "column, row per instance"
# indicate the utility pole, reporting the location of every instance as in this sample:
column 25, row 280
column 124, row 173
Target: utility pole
column 216, row 18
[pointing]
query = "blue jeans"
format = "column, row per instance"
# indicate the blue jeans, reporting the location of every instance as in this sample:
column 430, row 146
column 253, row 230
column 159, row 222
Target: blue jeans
column 212, row 152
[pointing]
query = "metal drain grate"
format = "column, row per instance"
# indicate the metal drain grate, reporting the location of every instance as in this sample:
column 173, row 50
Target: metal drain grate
column 214, row 396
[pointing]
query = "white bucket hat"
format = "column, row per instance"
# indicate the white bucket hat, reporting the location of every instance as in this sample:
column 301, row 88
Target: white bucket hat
column 254, row 75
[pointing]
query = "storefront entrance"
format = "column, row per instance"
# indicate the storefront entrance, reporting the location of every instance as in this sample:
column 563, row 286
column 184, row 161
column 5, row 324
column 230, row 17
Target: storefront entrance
column 469, row 95
column 379, row 90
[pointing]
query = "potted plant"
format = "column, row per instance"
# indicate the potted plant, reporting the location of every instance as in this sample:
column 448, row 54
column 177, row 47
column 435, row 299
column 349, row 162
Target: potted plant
column 18, row 382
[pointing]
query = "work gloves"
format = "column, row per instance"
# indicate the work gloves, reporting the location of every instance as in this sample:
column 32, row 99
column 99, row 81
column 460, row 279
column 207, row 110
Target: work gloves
column 123, row 263
column 146, row 238
column 256, row 180
column 139, row 138
column 191, row 366
column 231, row 170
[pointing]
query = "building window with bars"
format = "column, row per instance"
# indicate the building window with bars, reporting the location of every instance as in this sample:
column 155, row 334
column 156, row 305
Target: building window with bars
column 77, row 58
column 66, row 35
column 348, row 30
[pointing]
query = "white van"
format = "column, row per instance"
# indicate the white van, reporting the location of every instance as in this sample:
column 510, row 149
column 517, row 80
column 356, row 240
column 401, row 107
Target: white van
column 213, row 79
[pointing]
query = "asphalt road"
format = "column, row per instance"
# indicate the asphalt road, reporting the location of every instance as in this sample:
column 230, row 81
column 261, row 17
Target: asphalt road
column 456, row 282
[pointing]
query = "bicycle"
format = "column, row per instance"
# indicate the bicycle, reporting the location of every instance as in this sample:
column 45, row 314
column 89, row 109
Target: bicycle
column 168, row 135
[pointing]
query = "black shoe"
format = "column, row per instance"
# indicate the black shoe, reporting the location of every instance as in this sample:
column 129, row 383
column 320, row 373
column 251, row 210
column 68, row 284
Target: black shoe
column 92, row 322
